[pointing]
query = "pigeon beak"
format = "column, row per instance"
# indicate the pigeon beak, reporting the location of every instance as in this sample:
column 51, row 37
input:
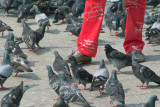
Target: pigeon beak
column 157, row 99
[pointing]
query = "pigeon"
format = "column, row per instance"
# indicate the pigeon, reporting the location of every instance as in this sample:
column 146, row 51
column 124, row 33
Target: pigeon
column 110, row 20
column 4, row 27
column 100, row 77
column 79, row 73
column 144, row 74
column 31, row 37
column 28, row 36
column 154, row 39
column 60, row 65
column 118, row 59
column 70, row 19
column 78, row 8
column 60, row 103
column 40, row 17
column 40, row 32
column 151, row 101
column 54, row 80
column 149, row 19
column 73, row 25
column 6, row 5
column 12, row 47
column 114, row 90
column 121, row 16
column 5, row 69
column 24, row 11
column 154, row 29
column 13, row 98
column 70, row 93
column 61, row 13
column 153, row 3
column 19, row 64
column 74, row 28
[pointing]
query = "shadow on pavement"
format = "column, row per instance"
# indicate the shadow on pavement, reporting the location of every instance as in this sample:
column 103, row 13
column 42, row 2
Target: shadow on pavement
column 152, row 58
column 31, row 76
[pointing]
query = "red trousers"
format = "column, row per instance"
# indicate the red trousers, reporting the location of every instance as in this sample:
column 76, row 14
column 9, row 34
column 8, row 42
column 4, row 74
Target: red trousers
column 87, row 41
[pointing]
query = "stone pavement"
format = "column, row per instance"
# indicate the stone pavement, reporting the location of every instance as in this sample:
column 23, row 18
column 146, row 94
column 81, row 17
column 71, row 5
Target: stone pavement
column 41, row 95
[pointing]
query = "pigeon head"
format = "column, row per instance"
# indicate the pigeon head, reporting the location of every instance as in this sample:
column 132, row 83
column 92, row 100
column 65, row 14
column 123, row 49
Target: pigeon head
column 72, row 59
column 45, row 22
column 102, row 64
column 153, row 99
column 114, row 75
column 56, row 53
column 50, row 71
column 108, row 47
column 10, row 36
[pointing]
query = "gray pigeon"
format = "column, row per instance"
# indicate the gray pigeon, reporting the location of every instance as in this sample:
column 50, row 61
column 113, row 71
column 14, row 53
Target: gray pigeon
column 31, row 37
column 144, row 74
column 19, row 64
column 13, row 98
column 70, row 19
column 78, row 8
column 6, row 5
column 100, row 77
column 4, row 27
column 54, row 80
column 40, row 17
column 60, row 65
column 73, row 25
column 28, row 36
column 79, row 73
column 12, row 47
column 70, row 93
column 17, row 57
column 61, row 13
column 151, row 101
column 114, row 90
column 110, row 20
column 148, row 19
column 5, row 69
column 118, row 59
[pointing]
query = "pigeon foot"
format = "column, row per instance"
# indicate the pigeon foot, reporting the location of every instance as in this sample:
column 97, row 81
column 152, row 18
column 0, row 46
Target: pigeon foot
column 117, row 72
column 83, row 88
column 15, row 75
column 3, row 88
column 140, row 85
column 56, row 98
column 111, row 102
column 75, row 84
column 145, row 87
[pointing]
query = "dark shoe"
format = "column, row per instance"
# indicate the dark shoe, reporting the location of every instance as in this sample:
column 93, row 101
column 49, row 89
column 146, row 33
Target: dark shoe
column 140, row 57
column 81, row 58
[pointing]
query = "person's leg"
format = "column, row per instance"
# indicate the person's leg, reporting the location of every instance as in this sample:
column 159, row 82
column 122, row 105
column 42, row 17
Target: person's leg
column 134, row 25
column 87, row 41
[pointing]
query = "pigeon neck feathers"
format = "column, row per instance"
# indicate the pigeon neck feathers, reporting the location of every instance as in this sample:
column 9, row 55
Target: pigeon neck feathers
column 6, row 58
column 63, row 78
column 114, row 76
column 102, row 64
